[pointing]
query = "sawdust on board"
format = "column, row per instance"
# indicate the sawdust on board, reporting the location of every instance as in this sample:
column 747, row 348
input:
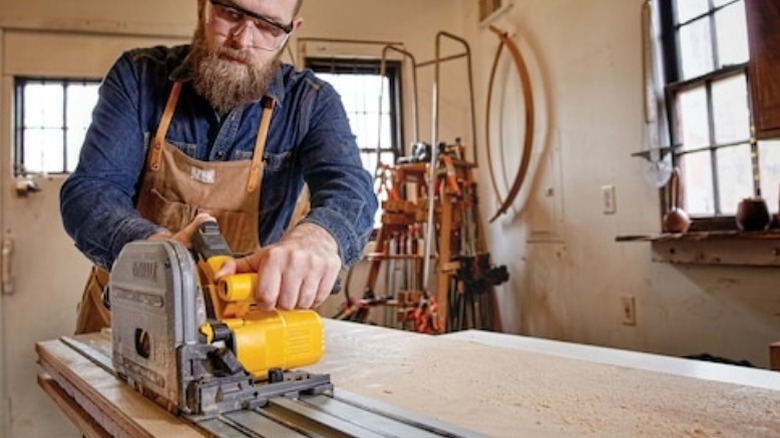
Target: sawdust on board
column 505, row 392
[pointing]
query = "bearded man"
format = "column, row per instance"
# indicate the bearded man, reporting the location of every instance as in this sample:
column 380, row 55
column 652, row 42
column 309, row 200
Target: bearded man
column 221, row 129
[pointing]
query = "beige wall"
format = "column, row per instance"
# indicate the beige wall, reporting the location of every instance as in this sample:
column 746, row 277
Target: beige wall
column 142, row 17
column 567, row 271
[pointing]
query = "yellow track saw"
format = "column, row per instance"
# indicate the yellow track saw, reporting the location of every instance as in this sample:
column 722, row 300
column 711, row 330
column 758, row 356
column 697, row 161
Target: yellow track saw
column 201, row 346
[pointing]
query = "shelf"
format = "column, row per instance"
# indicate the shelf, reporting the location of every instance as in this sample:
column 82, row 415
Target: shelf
column 720, row 248
column 697, row 236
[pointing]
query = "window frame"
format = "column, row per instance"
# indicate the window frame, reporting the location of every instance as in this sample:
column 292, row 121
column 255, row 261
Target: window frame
column 674, row 83
column 19, row 127
column 393, row 70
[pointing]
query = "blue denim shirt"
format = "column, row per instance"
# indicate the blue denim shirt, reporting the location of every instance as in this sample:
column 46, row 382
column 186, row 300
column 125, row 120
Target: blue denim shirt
column 309, row 140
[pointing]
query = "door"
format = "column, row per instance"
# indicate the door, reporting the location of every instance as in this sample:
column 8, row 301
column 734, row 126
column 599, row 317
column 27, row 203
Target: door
column 43, row 273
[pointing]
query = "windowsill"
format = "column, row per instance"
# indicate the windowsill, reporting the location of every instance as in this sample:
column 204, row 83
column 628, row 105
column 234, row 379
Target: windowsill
column 725, row 248
column 770, row 234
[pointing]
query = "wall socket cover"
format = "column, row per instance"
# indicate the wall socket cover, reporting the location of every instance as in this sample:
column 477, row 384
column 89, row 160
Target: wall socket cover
column 608, row 202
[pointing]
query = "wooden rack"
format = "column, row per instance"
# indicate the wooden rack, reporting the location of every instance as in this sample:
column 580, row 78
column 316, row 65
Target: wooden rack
column 459, row 240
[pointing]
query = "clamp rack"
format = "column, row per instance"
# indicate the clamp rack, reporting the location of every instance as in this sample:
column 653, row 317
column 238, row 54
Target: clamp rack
column 431, row 200
column 463, row 295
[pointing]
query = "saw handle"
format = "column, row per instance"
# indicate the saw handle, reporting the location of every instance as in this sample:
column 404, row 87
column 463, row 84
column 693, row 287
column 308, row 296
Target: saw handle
column 210, row 246
column 208, row 241
column 237, row 287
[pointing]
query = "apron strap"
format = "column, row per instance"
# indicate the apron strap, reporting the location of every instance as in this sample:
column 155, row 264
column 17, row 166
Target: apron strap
column 255, row 174
column 155, row 154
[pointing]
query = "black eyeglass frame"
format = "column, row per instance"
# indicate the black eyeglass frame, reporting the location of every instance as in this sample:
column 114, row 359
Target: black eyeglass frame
column 287, row 29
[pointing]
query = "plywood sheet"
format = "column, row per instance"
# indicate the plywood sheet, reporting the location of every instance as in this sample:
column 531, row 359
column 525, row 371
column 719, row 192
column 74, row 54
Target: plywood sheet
column 502, row 392
column 508, row 393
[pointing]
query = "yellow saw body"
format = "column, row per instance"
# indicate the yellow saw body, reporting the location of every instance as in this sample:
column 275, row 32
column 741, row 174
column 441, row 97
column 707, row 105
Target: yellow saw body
column 262, row 340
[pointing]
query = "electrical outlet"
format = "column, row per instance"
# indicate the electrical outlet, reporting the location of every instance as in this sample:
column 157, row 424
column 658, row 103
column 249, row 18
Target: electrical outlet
column 628, row 309
column 608, row 199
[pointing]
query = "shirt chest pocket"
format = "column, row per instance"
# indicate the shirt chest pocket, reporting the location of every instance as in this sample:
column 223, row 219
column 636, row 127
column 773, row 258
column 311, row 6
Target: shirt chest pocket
column 191, row 149
column 276, row 180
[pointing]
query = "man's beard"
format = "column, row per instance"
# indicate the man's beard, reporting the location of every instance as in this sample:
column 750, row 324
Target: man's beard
column 226, row 84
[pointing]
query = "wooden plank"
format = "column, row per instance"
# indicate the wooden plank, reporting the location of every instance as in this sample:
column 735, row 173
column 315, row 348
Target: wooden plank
column 86, row 404
column 80, row 418
column 726, row 235
column 757, row 252
column 132, row 413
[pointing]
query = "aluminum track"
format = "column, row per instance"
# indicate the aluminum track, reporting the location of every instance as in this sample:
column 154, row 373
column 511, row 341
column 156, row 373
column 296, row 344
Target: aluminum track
column 343, row 415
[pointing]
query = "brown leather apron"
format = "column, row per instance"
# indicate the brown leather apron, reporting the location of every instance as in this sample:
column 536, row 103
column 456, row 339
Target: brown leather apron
column 176, row 188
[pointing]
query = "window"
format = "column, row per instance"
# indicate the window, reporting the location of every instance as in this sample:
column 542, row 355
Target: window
column 52, row 117
column 372, row 103
column 706, row 55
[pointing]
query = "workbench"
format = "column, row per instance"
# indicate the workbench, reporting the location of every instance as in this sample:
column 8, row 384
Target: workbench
column 496, row 384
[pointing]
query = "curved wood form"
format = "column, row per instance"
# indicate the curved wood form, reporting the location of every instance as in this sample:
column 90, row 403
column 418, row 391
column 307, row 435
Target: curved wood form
column 525, row 81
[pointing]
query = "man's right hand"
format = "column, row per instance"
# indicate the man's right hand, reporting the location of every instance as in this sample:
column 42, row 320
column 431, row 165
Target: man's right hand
column 185, row 234
column 297, row 272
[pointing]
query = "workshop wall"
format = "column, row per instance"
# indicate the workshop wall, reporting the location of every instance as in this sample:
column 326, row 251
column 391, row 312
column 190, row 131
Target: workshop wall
column 567, row 273
column 143, row 17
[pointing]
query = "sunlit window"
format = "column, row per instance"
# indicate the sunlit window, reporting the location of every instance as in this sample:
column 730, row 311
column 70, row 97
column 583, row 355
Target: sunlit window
column 372, row 103
column 710, row 107
column 52, row 117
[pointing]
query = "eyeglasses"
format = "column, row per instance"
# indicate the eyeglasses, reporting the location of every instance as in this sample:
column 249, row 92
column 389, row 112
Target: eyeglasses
column 268, row 34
